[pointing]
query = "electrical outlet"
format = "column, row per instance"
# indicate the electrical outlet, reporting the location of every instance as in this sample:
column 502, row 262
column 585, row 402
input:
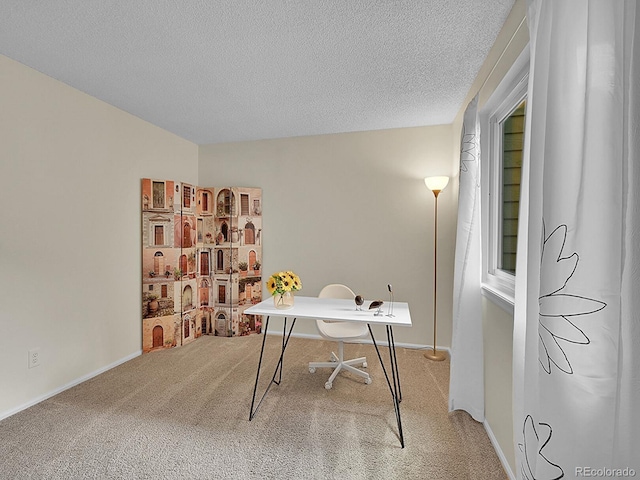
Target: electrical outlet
column 34, row 357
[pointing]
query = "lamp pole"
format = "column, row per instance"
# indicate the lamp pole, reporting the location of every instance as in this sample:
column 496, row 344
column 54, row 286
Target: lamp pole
column 436, row 185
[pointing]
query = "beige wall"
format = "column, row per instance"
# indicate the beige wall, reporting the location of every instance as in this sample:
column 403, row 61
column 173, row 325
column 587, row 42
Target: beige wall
column 353, row 208
column 70, row 245
column 497, row 324
column 498, row 361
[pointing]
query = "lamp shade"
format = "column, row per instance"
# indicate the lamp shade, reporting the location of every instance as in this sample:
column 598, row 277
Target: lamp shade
column 436, row 183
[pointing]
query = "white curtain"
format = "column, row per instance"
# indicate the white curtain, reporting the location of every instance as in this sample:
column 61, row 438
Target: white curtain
column 466, row 386
column 577, row 312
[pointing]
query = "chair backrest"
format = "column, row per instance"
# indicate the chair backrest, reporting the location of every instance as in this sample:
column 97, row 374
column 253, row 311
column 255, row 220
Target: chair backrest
column 334, row 290
column 337, row 290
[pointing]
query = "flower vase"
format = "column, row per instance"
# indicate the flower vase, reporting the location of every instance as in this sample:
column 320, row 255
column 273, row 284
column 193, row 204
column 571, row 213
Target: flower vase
column 283, row 301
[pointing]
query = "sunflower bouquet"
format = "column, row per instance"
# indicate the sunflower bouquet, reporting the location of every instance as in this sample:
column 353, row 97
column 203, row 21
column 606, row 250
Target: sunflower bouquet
column 281, row 282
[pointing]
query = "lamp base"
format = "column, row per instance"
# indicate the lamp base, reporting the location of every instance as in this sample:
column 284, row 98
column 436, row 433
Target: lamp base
column 435, row 355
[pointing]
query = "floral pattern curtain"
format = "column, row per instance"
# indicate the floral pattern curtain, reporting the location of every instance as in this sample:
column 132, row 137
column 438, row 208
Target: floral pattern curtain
column 577, row 312
column 466, row 386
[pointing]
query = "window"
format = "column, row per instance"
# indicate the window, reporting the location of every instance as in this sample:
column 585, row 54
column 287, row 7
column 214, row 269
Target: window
column 219, row 260
column 205, row 202
column 158, row 194
column 186, row 196
column 244, row 204
column 502, row 143
column 512, row 128
column 222, row 294
column 226, row 203
column 204, row 263
column 158, row 235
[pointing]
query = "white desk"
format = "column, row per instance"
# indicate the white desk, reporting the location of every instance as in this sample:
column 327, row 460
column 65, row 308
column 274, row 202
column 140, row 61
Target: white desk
column 335, row 309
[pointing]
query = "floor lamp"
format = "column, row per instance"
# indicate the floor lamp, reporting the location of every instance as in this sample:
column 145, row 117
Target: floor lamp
column 436, row 185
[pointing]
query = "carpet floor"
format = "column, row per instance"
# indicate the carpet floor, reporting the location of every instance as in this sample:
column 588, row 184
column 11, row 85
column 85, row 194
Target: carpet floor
column 183, row 413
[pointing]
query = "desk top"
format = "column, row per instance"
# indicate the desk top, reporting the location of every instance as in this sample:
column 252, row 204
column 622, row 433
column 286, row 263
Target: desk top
column 335, row 309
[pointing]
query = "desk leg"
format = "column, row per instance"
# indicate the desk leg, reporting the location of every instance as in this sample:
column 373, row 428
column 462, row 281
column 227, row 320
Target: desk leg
column 395, row 388
column 278, row 370
column 395, row 361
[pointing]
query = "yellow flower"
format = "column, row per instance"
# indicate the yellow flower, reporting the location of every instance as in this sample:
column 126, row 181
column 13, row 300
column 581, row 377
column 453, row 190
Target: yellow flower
column 271, row 285
column 286, row 283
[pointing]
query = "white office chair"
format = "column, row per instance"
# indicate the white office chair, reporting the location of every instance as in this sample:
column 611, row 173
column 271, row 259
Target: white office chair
column 341, row 331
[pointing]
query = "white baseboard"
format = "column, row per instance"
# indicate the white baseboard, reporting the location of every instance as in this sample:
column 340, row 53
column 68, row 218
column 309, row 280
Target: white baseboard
column 496, row 447
column 73, row 383
column 363, row 340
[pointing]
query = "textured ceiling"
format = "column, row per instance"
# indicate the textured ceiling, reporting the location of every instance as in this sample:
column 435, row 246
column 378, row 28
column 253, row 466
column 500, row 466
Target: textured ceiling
column 230, row 70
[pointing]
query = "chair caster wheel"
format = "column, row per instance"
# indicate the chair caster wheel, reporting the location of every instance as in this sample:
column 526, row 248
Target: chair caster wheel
column 312, row 370
column 368, row 381
column 364, row 364
column 328, row 385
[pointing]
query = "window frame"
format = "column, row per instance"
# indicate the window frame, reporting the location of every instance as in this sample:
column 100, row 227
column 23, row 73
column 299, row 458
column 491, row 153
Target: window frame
column 498, row 285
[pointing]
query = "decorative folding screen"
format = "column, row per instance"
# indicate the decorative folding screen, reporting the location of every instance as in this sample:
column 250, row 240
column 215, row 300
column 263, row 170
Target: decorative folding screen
column 201, row 261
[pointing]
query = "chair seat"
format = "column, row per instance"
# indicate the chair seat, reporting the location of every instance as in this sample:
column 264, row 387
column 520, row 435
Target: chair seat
column 343, row 330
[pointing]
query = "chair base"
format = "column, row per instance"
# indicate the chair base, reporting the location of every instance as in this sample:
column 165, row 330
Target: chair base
column 338, row 363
